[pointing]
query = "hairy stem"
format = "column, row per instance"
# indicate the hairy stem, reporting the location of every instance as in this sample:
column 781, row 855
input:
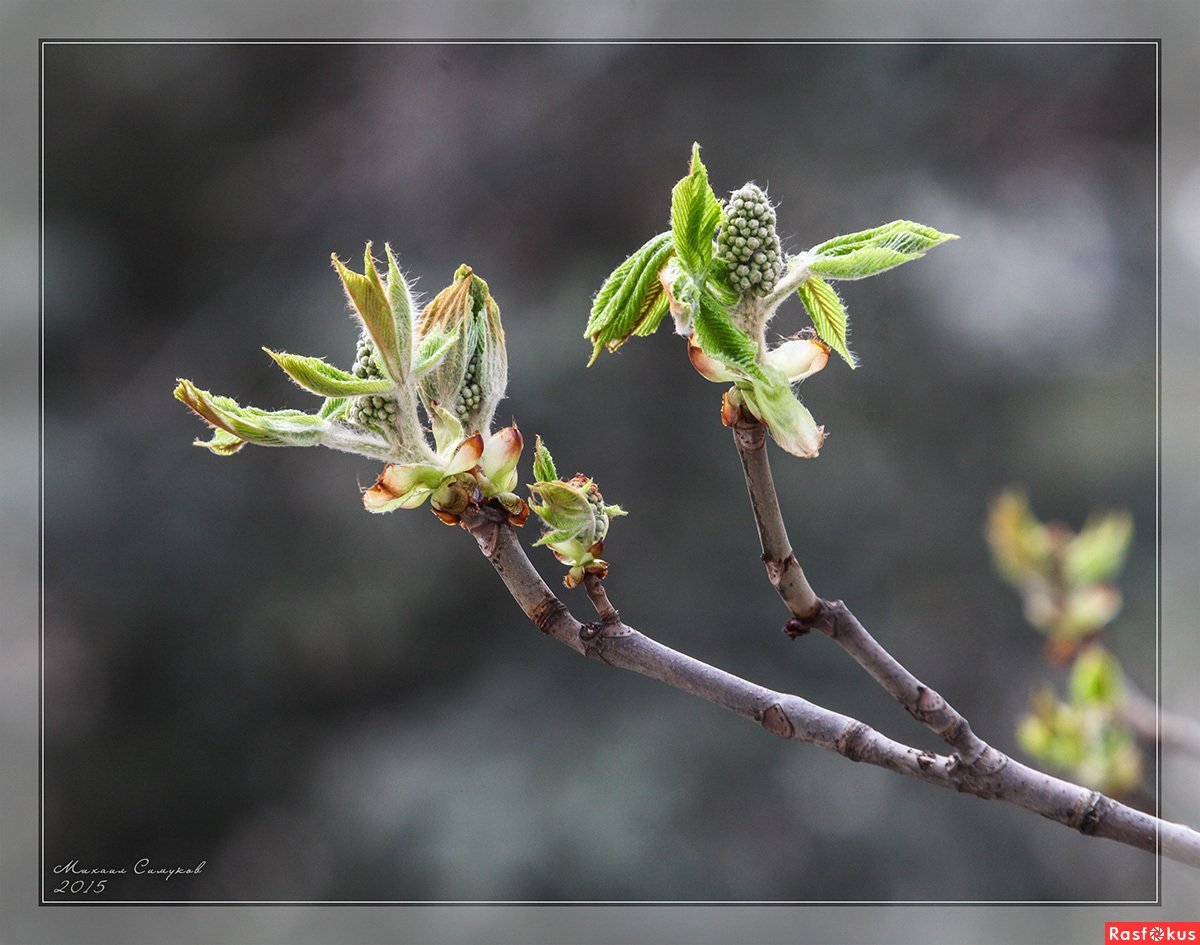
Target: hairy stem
column 993, row 775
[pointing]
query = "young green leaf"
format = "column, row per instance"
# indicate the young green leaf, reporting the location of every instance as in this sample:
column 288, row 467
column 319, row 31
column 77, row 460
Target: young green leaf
column 828, row 315
column 400, row 301
column 620, row 307
column 334, row 408
column 264, row 427
column 654, row 308
column 223, row 443
column 721, row 339
column 792, row 426
column 1098, row 551
column 543, row 463
column 695, row 215
column 873, row 251
column 322, row 378
column 370, row 301
column 1096, row 678
column 431, row 350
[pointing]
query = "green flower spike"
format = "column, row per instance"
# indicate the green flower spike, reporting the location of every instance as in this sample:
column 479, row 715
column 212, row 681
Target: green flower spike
column 722, row 274
column 575, row 516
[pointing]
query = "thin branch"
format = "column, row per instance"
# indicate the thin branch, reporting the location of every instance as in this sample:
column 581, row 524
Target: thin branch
column 1173, row 731
column 833, row 618
column 992, row 776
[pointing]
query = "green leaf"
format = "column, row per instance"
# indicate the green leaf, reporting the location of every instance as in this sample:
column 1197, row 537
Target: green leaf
column 431, row 350
column 654, row 308
column 334, row 408
column 720, row 338
column 695, row 215
column 264, row 427
column 621, row 304
column 1098, row 551
column 566, row 508
column 322, row 378
column 1095, row 678
column 828, row 315
column 223, row 443
column 366, row 294
column 873, row 251
column 543, row 463
column 401, row 303
column 791, row 425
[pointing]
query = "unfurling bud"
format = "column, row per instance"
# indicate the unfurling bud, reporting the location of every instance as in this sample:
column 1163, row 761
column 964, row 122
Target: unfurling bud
column 575, row 516
column 748, row 243
column 469, row 380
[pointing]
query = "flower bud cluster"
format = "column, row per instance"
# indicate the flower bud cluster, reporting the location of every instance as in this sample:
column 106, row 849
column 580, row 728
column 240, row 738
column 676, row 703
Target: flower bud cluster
column 375, row 411
column 748, row 243
column 468, row 395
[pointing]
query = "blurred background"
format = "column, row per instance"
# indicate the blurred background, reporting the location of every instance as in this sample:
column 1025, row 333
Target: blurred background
column 243, row 667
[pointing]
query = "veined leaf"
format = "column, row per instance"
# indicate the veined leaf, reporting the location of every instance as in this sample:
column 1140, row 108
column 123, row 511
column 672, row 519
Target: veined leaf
column 720, row 338
column 870, row 252
column 400, row 301
column 695, row 214
column 654, row 308
column 828, row 315
column 322, row 378
column 543, row 463
column 334, row 408
column 264, row 427
column 566, row 508
column 619, row 306
column 223, row 443
column 431, row 350
column 370, row 301
column 791, row 425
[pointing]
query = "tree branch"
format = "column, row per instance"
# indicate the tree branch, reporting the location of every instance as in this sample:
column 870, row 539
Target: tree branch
column 993, row 775
column 1172, row 731
column 833, row 618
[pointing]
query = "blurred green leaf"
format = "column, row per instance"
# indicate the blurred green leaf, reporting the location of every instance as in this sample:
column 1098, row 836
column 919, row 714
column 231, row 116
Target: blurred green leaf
column 1095, row 678
column 1098, row 552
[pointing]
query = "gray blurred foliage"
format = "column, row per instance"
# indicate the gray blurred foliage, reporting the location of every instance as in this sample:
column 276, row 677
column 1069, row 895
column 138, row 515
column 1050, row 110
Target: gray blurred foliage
column 243, row 666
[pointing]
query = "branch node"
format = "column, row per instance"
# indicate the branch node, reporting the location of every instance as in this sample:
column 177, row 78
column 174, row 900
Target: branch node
column 547, row 613
column 851, row 743
column 749, row 434
column 589, row 631
column 775, row 720
column 823, row 616
column 1093, row 809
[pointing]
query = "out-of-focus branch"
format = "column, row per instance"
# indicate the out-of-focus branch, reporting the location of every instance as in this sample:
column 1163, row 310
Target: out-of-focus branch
column 992, row 775
column 1172, row 731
